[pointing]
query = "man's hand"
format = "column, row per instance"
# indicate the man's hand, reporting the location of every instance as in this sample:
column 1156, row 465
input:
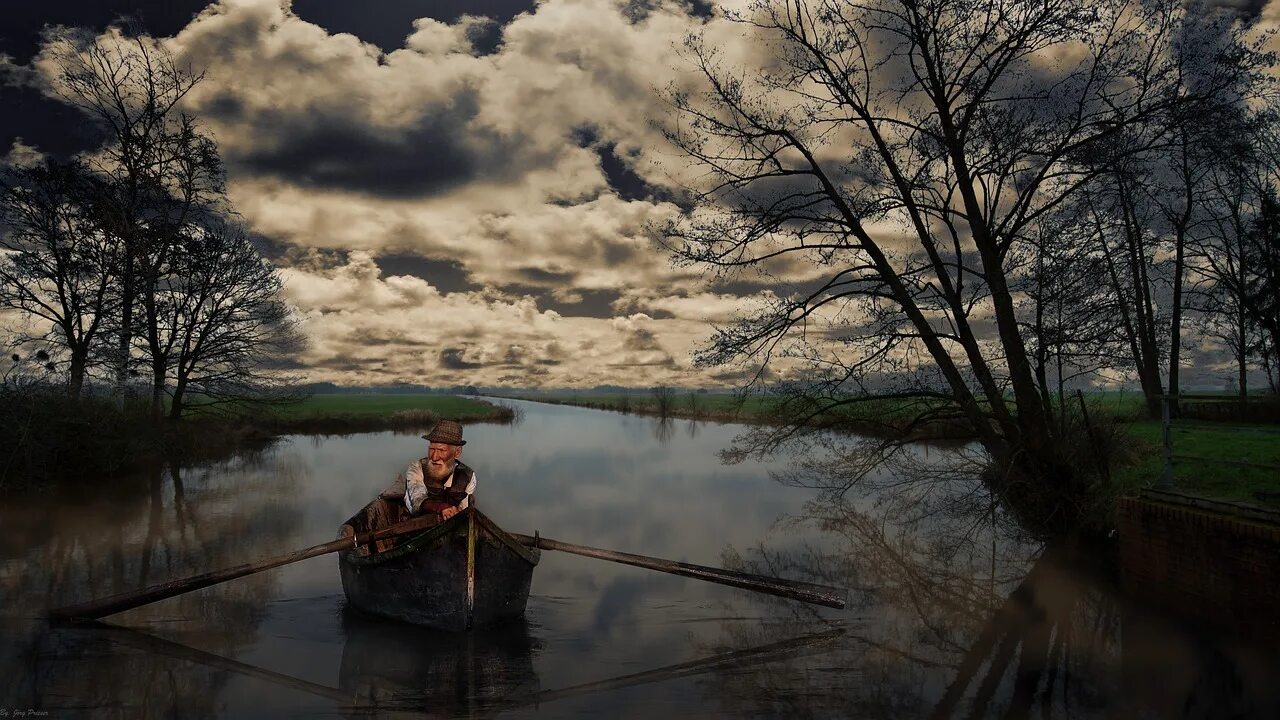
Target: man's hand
column 449, row 512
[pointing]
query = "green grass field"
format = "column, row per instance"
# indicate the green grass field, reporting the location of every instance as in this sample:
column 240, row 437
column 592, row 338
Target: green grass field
column 345, row 414
column 377, row 405
column 1209, row 474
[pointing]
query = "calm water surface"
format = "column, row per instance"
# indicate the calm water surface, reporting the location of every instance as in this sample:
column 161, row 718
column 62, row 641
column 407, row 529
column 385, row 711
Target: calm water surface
column 952, row 612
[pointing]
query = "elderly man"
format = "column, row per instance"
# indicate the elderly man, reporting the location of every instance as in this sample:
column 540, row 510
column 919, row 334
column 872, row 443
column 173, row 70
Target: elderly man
column 439, row 482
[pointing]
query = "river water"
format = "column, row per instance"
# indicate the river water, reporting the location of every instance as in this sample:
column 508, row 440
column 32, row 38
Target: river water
column 952, row 610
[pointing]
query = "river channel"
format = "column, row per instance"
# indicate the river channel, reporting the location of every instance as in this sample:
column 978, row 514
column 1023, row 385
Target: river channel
column 953, row 611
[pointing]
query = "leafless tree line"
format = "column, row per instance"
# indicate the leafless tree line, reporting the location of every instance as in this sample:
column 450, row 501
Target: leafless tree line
column 128, row 259
column 986, row 200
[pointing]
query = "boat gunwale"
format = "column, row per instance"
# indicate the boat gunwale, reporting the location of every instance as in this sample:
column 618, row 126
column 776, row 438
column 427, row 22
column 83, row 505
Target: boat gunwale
column 417, row 543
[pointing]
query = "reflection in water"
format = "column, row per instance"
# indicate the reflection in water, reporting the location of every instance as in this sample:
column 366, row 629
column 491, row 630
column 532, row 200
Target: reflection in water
column 663, row 429
column 395, row 665
column 145, row 529
column 1017, row 630
column 954, row 610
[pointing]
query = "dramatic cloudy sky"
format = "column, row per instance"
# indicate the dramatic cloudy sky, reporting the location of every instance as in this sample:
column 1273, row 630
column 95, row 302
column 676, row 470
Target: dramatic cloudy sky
column 451, row 198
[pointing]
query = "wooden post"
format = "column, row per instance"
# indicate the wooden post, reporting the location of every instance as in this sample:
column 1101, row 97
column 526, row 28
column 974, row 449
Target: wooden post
column 1166, row 473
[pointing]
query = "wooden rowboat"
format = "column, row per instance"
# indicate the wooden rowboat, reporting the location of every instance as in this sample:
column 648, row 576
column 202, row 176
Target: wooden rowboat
column 465, row 572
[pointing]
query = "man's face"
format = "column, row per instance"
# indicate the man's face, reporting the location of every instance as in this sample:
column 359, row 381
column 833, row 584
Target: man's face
column 440, row 460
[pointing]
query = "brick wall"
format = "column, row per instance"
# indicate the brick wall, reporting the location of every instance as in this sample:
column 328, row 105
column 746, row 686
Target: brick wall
column 1216, row 563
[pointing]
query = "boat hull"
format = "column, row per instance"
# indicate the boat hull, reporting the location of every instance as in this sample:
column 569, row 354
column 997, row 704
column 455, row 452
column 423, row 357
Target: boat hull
column 464, row 573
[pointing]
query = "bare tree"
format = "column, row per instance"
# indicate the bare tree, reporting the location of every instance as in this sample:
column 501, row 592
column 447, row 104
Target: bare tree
column 908, row 150
column 1221, row 253
column 664, row 400
column 1238, row 257
column 193, row 197
column 1122, row 223
column 1260, row 292
column 156, row 168
column 1072, row 320
column 222, row 319
column 58, row 265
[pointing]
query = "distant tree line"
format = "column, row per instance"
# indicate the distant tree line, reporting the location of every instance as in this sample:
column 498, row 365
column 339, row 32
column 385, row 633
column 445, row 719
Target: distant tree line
column 997, row 198
column 128, row 261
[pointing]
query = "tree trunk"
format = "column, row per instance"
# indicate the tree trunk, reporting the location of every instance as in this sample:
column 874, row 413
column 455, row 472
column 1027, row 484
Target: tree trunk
column 125, row 340
column 75, row 382
column 1146, row 349
column 157, row 394
column 1242, row 357
column 1175, row 322
column 175, row 404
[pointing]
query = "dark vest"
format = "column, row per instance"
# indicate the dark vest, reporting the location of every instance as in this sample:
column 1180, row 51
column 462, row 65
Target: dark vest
column 438, row 493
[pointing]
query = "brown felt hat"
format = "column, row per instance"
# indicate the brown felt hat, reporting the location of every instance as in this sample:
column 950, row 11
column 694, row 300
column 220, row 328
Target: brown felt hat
column 447, row 432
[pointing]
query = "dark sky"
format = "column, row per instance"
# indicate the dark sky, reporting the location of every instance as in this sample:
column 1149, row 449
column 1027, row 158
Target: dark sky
column 54, row 128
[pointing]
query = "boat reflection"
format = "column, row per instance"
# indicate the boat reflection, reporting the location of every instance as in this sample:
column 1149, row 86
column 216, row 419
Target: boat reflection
column 392, row 665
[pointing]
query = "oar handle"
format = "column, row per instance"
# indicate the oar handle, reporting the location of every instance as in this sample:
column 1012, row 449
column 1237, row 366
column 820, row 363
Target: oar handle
column 135, row 598
column 793, row 589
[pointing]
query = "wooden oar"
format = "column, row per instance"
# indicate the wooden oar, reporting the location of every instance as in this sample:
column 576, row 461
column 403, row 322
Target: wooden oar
column 128, row 600
column 805, row 592
column 793, row 589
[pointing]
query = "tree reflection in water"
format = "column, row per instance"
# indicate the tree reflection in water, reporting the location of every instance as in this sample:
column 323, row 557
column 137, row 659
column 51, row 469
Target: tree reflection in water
column 958, row 612
column 124, row 536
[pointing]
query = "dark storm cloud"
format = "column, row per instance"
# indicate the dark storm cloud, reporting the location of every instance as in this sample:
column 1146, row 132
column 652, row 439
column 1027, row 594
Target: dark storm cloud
column 539, row 276
column 307, row 258
column 622, row 179
column 637, row 10
column 341, row 152
column 585, row 303
column 616, row 253
column 642, row 340
column 665, row 361
column 366, row 337
column 452, row 359
column 271, row 248
column 447, row 276
column 513, row 356
column 284, row 363
column 387, row 22
column 741, row 377
column 343, row 362
column 593, row 303
column 1246, row 8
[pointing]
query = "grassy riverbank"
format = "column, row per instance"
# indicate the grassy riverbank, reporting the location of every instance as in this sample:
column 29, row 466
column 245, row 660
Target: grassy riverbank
column 1207, row 453
column 374, row 412
column 46, row 437
column 725, row 407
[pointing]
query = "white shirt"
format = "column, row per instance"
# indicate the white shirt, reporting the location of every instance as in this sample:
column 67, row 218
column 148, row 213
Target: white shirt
column 415, row 490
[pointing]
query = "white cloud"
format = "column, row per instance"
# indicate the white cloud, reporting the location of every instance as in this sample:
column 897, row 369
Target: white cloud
column 487, row 161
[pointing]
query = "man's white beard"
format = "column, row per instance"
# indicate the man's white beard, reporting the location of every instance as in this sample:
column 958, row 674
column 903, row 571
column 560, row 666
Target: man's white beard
column 441, row 472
